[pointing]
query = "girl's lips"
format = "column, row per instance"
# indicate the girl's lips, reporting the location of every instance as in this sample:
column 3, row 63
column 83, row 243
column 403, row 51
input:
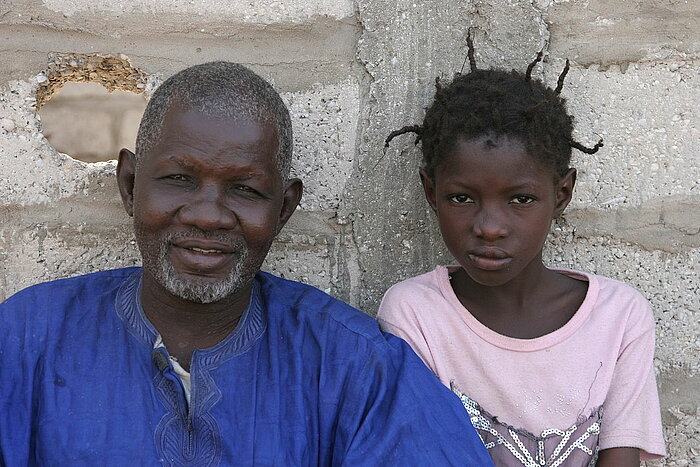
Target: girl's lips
column 489, row 263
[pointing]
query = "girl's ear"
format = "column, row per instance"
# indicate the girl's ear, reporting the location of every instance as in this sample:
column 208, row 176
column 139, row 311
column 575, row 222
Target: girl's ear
column 565, row 190
column 428, row 188
column 126, row 173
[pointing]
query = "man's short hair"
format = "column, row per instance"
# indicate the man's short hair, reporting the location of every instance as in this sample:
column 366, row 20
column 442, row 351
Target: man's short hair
column 218, row 89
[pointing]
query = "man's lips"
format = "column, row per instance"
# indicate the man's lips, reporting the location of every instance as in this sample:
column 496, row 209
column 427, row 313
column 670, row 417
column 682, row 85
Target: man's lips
column 204, row 246
column 201, row 255
column 489, row 258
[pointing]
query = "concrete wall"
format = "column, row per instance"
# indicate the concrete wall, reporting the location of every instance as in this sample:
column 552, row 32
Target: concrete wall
column 351, row 72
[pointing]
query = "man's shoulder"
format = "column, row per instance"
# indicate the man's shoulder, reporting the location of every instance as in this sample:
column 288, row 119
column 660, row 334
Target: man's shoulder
column 295, row 301
column 39, row 316
column 68, row 289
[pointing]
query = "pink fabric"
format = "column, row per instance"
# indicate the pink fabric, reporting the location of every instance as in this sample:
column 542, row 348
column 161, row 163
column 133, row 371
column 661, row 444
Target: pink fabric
column 602, row 357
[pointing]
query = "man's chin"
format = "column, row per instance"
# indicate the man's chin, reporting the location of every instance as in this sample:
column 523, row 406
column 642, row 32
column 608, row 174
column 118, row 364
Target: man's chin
column 201, row 286
column 202, row 289
column 208, row 293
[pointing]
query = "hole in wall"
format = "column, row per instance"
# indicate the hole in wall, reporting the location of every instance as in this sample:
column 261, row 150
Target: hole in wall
column 89, row 123
column 90, row 104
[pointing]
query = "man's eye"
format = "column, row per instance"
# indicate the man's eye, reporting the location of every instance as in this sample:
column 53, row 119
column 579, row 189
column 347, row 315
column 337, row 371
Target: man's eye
column 244, row 188
column 523, row 199
column 461, row 199
column 177, row 177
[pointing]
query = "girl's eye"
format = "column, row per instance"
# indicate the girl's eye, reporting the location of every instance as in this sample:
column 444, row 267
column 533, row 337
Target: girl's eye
column 461, row 199
column 523, row 199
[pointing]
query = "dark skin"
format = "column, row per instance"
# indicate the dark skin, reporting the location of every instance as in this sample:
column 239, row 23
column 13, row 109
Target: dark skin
column 215, row 182
column 495, row 204
column 524, row 316
column 618, row 457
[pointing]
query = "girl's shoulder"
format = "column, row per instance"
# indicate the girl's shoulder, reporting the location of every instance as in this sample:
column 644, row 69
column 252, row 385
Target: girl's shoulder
column 606, row 287
column 419, row 298
column 426, row 284
column 613, row 299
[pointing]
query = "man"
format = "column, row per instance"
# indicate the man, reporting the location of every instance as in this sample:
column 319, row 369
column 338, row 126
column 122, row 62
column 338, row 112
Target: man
column 198, row 358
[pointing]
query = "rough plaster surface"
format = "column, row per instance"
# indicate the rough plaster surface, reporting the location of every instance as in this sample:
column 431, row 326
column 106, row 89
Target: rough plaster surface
column 113, row 73
column 353, row 71
column 36, row 173
column 649, row 119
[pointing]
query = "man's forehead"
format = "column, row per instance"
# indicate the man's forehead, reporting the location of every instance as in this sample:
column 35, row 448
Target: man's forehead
column 194, row 121
column 188, row 132
column 236, row 110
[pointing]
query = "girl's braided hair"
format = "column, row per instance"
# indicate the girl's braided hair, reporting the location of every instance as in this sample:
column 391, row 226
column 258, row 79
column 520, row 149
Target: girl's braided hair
column 498, row 103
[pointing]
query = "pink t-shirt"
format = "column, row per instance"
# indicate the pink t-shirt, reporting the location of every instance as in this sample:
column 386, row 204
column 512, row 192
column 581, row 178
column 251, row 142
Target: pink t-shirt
column 588, row 385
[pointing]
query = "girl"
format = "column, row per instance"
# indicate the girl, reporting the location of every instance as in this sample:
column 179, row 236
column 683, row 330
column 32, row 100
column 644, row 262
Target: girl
column 555, row 367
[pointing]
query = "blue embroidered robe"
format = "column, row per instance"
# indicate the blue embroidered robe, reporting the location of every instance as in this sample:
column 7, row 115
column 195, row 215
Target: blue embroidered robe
column 303, row 380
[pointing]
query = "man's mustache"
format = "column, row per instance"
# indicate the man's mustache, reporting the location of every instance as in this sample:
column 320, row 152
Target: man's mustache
column 195, row 234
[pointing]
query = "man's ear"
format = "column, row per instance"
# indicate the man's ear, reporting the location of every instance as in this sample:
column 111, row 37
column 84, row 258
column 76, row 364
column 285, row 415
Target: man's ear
column 126, row 172
column 565, row 190
column 292, row 196
column 429, row 189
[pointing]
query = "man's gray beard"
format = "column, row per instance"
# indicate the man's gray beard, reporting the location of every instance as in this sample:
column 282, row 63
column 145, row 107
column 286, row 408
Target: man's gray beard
column 192, row 290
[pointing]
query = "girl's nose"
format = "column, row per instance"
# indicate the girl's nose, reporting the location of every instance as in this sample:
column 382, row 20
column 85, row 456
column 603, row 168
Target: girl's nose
column 207, row 211
column 490, row 224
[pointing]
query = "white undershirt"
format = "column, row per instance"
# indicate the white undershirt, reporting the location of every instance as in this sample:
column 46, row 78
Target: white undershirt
column 181, row 372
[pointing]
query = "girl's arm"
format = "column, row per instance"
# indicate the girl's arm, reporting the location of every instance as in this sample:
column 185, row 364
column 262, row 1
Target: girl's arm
column 618, row 457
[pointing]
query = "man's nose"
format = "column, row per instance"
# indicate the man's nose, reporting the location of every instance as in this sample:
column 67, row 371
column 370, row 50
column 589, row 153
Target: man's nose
column 490, row 223
column 207, row 210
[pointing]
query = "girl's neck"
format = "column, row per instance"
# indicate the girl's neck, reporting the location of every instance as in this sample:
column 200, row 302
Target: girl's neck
column 514, row 293
column 530, row 306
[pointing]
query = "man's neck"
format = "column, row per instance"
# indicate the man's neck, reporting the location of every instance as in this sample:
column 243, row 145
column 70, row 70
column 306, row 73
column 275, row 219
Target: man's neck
column 185, row 325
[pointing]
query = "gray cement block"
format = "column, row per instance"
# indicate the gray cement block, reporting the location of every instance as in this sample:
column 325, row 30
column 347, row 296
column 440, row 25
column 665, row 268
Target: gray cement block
column 293, row 45
column 608, row 32
column 325, row 124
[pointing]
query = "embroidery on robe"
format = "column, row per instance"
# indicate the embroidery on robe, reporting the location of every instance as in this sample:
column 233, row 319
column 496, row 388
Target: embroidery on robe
column 188, row 439
column 187, row 434
column 576, row 446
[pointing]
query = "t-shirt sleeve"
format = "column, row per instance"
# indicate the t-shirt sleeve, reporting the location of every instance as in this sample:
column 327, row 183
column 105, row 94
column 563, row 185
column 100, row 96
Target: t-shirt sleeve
column 631, row 416
column 398, row 315
column 397, row 413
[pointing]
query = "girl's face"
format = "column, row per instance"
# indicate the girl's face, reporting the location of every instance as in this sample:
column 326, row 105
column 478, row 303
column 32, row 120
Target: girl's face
column 495, row 204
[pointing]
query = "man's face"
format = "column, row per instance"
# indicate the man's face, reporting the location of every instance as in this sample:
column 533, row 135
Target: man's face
column 208, row 199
